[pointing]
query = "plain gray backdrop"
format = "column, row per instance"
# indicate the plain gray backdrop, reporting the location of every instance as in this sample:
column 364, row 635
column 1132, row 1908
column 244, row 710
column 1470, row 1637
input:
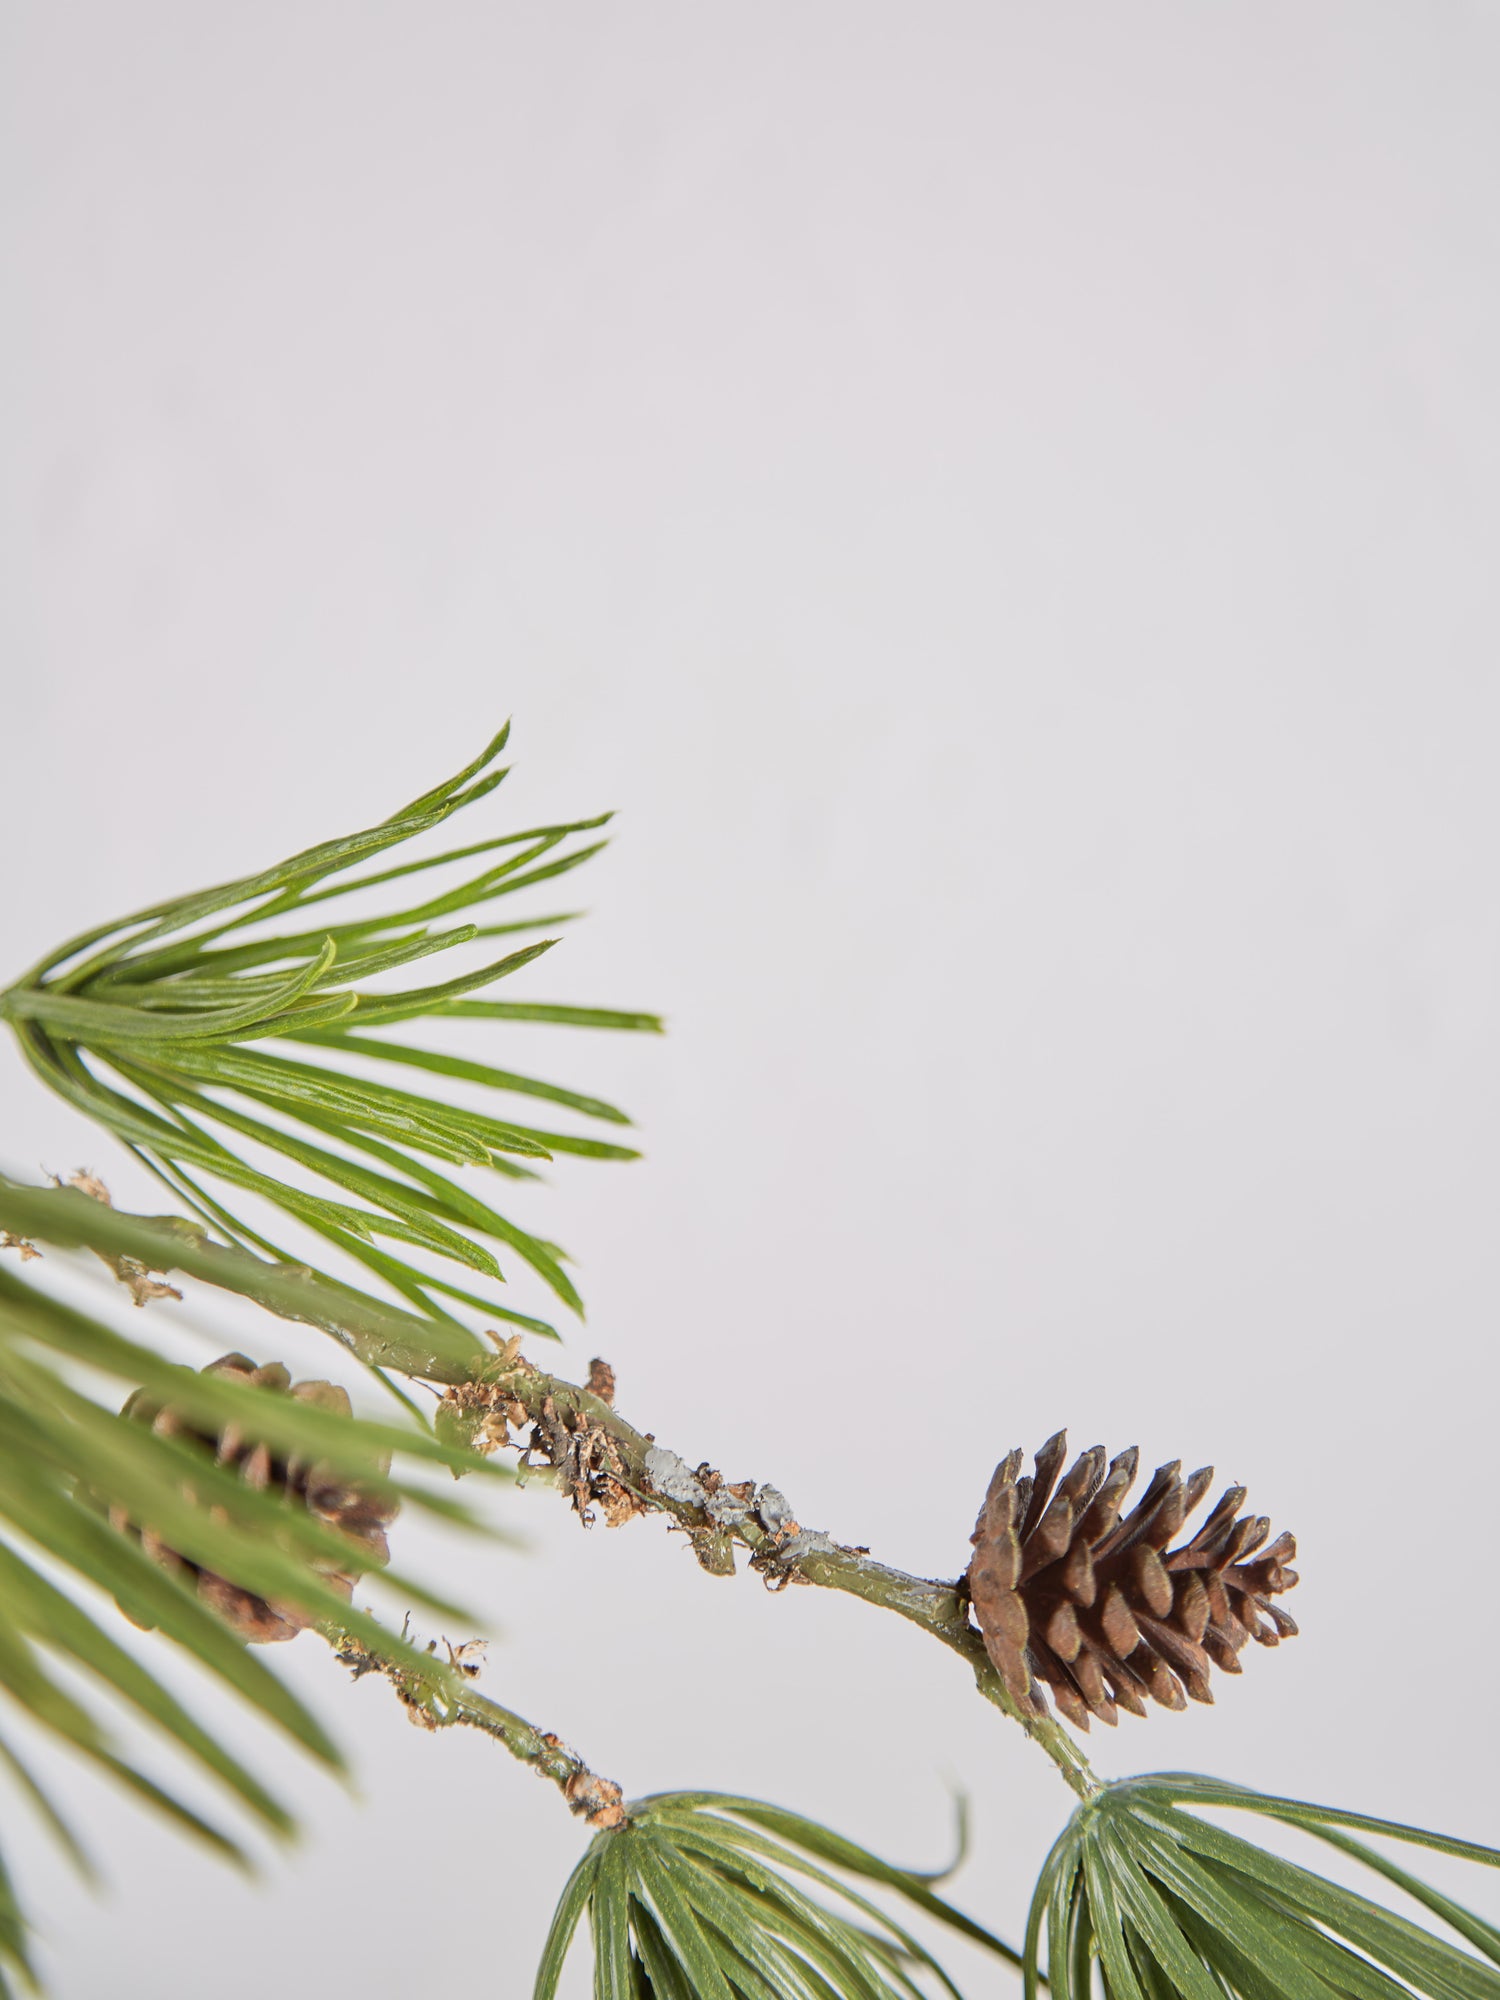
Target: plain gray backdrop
column 1004, row 499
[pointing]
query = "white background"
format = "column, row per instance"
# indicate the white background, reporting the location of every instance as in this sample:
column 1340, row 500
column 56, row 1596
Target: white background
column 1004, row 498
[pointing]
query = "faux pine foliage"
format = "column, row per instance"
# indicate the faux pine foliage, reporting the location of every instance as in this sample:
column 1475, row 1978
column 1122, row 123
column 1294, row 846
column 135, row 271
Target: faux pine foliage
column 261, row 1053
column 696, row 1893
column 1166, row 1901
column 237, row 1015
column 68, row 1460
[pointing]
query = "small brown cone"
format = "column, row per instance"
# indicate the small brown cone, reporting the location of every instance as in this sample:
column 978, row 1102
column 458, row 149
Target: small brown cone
column 359, row 1514
column 1071, row 1593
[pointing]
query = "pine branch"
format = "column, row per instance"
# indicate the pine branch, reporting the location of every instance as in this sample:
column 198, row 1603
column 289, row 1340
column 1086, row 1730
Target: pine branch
column 1139, row 1882
column 596, row 1454
column 569, row 1419
column 161, row 1028
column 218, row 1021
column 446, row 1699
column 379, row 1334
column 213, row 1508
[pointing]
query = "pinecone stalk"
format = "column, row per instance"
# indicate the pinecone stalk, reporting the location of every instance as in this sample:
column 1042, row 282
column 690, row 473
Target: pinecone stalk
column 1074, row 1595
column 360, row 1515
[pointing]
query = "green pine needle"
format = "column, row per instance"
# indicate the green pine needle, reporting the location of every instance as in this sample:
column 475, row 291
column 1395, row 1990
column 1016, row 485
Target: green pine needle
column 159, row 1028
column 1168, row 1905
column 67, row 1461
column 697, row 1898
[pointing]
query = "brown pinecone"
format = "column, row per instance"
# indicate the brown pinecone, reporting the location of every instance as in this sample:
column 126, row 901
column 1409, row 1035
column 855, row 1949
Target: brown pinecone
column 1068, row 1593
column 359, row 1514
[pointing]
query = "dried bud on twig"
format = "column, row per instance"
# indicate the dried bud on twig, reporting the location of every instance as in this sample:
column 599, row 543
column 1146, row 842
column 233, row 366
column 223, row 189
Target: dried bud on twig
column 598, row 1801
column 132, row 1274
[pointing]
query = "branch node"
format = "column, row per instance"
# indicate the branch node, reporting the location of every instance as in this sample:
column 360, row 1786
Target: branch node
column 599, row 1802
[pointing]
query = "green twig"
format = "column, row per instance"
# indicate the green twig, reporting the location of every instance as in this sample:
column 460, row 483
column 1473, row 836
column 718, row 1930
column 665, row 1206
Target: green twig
column 482, row 1384
column 564, row 1410
column 447, row 1700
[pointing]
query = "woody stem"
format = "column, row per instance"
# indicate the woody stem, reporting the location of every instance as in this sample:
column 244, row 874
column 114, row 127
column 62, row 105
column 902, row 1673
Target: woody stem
column 390, row 1337
column 448, row 1700
column 937, row 1607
